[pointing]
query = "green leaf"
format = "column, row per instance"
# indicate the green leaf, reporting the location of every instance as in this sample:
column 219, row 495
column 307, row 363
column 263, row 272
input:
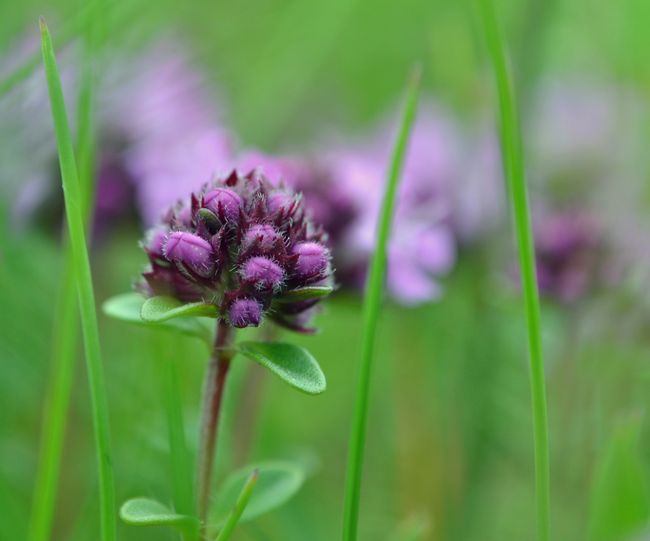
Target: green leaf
column 158, row 309
column 240, row 505
column 304, row 293
column 128, row 307
column 291, row 363
column 148, row 512
column 278, row 481
column 620, row 503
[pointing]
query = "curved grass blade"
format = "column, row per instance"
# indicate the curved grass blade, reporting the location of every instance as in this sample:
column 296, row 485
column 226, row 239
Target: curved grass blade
column 65, row 331
column 74, row 202
column 236, row 513
column 371, row 307
column 515, row 176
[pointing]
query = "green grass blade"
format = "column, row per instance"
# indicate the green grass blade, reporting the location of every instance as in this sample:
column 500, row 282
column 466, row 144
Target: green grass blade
column 74, row 202
column 182, row 472
column 57, row 399
column 232, row 520
column 65, row 331
column 372, row 304
column 514, row 170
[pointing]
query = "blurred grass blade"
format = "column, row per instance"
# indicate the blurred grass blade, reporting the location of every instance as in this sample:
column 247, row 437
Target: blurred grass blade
column 181, row 466
column 372, row 304
column 65, row 330
column 57, row 399
column 74, row 201
column 236, row 513
column 119, row 12
column 514, row 170
column 620, row 502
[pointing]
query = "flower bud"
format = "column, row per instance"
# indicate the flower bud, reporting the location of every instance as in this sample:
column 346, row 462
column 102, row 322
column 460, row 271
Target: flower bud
column 263, row 236
column 280, row 201
column 312, row 259
column 245, row 313
column 262, row 273
column 224, row 202
column 191, row 251
column 155, row 242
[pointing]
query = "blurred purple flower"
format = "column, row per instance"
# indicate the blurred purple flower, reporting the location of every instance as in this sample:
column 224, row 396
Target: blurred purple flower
column 343, row 189
column 569, row 250
column 159, row 136
column 176, row 140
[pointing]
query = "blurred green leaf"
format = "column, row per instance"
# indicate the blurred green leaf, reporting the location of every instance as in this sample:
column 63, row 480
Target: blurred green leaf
column 619, row 502
column 128, row 307
column 278, row 481
column 415, row 528
column 289, row 362
column 305, row 293
column 161, row 308
column 148, row 512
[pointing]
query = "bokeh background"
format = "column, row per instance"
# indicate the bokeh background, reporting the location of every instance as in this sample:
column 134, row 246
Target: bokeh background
column 449, row 449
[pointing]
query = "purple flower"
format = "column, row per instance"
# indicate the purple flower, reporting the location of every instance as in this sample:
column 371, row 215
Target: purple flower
column 244, row 265
column 343, row 190
column 569, row 251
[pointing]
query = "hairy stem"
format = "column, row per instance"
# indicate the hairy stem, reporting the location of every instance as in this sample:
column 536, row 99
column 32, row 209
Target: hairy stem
column 213, row 389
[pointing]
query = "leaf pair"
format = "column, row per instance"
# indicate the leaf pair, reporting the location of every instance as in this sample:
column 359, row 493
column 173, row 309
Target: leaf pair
column 292, row 364
column 246, row 494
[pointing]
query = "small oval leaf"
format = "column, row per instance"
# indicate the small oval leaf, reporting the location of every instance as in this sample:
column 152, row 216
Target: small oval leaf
column 289, row 362
column 128, row 307
column 304, row 293
column 125, row 307
column 161, row 308
column 148, row 512
column 277, row 482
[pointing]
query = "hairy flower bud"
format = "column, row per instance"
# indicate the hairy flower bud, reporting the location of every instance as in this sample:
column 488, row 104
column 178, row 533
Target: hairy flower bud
column 264, row 237
column 262, row 273
column 191, row 251
column 154, row 243
column 224, row 202
column 313, row 259
column 239, row 244
column 245, row 313
column 280, row 202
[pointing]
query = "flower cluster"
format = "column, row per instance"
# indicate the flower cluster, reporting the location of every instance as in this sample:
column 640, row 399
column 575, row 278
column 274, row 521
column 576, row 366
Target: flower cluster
column 243, row 245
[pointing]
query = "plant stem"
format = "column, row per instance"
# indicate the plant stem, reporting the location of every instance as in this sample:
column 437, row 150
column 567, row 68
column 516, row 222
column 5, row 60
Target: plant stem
column 213, row 389
column 515, row 175
column 371, row 307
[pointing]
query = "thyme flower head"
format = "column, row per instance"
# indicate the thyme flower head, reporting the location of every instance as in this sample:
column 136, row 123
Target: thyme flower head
column 244, row 245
